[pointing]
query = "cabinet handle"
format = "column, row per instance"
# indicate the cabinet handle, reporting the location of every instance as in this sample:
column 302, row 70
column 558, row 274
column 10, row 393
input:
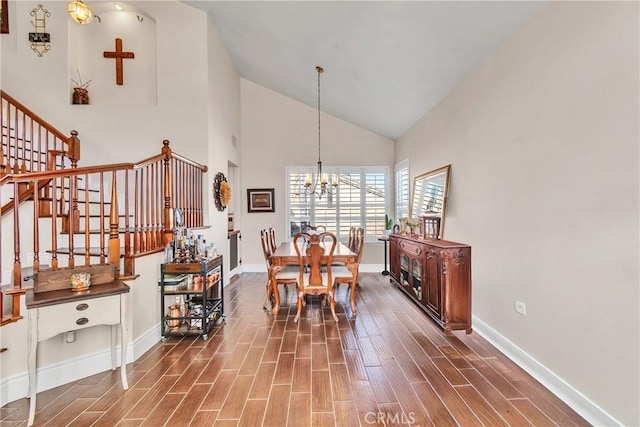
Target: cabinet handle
column 82, row 307
column 82, row 321
column 181, row 268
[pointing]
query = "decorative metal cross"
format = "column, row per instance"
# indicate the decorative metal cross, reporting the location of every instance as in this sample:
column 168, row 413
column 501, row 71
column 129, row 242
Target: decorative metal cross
column 118, row 55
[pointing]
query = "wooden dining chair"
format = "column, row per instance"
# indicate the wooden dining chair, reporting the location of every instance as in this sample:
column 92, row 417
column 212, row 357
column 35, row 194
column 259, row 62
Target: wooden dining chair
column 340, row 273
column 311, row 249
column 287, row 276
column 310, row 229
column 272, row 239
column 352, row 237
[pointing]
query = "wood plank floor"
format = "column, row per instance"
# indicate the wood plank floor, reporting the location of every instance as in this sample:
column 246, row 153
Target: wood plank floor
column 388, row 365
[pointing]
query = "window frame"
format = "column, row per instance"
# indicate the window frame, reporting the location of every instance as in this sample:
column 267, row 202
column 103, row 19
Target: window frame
column 329, row 170
column 402, row 168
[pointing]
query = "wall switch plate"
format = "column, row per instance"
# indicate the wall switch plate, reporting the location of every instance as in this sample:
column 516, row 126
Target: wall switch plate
column 521, row 308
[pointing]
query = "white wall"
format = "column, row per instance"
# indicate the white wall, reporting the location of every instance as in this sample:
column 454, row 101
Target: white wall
column 223, row 122
column 196, row 108
column 543, row 142
column 278, row 132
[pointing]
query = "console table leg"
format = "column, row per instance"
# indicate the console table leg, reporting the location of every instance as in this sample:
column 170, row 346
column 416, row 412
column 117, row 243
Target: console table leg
column 114, row 341
column 123, row 342
column 31, row 362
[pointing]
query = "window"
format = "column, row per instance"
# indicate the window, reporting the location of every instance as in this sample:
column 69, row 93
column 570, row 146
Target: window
column 360, row 200
column 402, row 190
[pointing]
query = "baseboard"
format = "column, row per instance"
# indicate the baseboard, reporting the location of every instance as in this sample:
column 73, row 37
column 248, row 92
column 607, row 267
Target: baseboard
column 253, row 268
column 370, row 268
column 17, row 386
column 564, row 391
column 144, row 342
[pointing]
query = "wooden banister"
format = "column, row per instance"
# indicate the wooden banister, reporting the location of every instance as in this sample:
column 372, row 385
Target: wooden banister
column 33, row 116
column 27, row 139
column 99, row 204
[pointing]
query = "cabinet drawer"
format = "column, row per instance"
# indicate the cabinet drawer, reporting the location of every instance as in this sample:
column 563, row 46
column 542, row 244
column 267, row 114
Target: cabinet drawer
column 187, row 267
column 75, row 315
column 412, row 248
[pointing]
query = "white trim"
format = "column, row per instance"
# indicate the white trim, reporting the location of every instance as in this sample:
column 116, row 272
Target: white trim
column 564, row 391
column 370, row 268
column 254, row 268
column 144, row 343
column 17, row 386
column 237, row 270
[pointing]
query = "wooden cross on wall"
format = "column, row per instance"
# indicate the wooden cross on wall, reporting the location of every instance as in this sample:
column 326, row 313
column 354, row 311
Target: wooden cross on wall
column 118, row 55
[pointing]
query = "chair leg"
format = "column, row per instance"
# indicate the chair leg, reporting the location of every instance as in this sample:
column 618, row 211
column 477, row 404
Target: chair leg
column 333, row 306
column 267, row 298
column 300, row 303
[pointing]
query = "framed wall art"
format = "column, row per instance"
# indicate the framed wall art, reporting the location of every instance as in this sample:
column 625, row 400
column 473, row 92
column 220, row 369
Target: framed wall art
column 260, row 200
column 4, row 17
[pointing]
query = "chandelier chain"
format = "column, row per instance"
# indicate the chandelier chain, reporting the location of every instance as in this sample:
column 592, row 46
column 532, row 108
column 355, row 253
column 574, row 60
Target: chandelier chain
column 311, row 183
column 320, row 70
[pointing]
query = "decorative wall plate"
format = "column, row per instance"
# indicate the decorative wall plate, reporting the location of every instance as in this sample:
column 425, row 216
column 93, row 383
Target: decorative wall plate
column 221, row 191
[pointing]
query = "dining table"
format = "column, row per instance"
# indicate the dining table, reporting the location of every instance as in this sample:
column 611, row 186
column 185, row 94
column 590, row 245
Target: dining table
column 285, row 254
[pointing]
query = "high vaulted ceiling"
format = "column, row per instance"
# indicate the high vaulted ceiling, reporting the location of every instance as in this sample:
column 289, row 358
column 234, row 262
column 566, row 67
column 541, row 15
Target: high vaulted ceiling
column 387, row 63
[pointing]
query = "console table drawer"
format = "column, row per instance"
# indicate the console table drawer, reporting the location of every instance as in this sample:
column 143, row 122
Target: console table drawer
column 412, row 247
column 75, row 315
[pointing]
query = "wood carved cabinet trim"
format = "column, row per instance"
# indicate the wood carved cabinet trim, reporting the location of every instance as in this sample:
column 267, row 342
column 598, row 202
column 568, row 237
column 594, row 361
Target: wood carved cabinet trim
column 436, row 275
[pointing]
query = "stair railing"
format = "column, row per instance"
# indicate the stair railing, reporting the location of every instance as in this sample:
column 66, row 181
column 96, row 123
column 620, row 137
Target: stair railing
column 99, row 214
column 29, row 143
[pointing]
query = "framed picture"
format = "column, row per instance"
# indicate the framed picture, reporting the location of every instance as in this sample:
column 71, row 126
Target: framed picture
column 260, row 200
column 4, row 17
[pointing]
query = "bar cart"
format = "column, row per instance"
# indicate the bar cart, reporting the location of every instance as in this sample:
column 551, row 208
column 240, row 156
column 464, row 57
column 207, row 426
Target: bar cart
column 191, row 297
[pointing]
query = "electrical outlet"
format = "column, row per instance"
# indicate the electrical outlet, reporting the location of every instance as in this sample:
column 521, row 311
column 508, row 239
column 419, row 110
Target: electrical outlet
column 521, row 308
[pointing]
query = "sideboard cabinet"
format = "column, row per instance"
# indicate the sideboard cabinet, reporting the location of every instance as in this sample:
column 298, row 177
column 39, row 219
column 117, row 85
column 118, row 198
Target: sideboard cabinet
column 436, row 275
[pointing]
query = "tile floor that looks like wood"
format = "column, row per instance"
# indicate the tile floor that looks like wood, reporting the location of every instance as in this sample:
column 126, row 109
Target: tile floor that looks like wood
column 388, row 365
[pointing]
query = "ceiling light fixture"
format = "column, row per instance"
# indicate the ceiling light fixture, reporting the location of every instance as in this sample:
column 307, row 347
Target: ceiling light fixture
column 118, row 6
column 311, row 182
column 80, row 12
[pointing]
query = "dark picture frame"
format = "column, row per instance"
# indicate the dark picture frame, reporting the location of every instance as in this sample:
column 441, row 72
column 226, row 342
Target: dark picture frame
column 4, row 15
column 260, row 200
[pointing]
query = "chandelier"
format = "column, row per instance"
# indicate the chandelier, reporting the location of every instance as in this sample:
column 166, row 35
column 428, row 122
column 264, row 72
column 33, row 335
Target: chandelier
column 80, row 12
column 311, row 182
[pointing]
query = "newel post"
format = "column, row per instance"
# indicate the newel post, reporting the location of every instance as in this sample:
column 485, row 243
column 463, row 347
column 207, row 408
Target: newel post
column 73, row 148
column 74, row 215
column 114, row 238
column 167, row 229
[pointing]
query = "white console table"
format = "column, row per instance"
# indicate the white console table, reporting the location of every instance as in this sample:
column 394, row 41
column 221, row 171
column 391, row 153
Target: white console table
column 55, row 312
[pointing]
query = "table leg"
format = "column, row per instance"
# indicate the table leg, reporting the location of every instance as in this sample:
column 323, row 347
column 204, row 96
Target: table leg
column 353, row 268
column 385, row 272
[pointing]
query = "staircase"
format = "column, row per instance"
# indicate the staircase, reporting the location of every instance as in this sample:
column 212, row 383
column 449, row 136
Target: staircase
column 56, row 214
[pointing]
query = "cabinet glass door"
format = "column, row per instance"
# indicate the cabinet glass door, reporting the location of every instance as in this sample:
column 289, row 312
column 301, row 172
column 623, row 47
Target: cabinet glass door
column 404, row 270
column 416, row 279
